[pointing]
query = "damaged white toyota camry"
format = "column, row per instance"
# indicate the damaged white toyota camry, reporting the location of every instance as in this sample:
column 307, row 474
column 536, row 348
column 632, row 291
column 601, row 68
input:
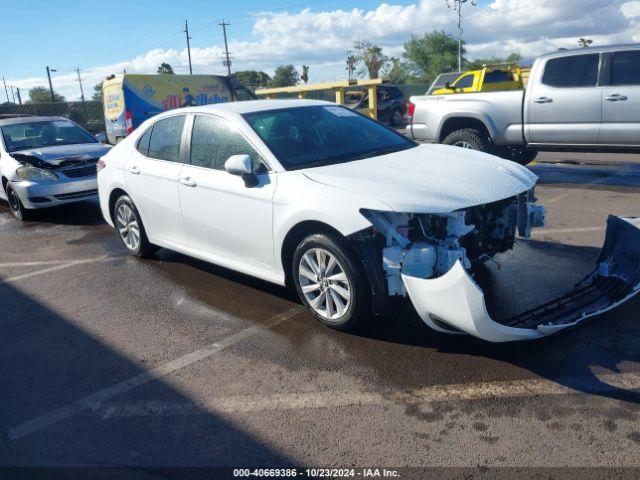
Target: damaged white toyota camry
column 350, row 212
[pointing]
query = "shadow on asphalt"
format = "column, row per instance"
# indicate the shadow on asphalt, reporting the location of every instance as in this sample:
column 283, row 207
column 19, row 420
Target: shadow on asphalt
column 46, row 362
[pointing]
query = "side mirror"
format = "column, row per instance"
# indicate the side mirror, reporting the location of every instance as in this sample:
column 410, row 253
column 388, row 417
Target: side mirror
column 447, row 85
column 238, row 165
column 101, row 137
column 241, row 165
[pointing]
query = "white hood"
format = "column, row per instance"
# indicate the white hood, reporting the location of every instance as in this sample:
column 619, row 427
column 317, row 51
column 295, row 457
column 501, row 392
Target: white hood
column 429, row 178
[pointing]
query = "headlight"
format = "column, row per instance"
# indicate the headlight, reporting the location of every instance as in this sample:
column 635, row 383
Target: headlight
column 34, row 174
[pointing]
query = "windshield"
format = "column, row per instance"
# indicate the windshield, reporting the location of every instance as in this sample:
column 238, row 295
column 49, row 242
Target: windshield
column 28, row 135
column 313, row 136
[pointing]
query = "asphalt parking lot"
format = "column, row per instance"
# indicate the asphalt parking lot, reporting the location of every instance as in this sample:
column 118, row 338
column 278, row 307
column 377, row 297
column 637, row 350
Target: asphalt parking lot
column 108, row 360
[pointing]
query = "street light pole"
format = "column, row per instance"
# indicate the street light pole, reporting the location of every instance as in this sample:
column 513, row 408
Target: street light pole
column 457, row 5
column 49, row 70
column 186, row 31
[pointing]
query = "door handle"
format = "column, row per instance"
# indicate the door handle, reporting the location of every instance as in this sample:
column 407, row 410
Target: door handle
column 543, row 100
column 615, row 98
column 188, row 182
column 135, row 170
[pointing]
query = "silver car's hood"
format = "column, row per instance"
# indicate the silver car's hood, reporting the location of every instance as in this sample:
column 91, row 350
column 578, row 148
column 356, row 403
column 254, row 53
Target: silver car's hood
column 57, row 154
column 429, row 178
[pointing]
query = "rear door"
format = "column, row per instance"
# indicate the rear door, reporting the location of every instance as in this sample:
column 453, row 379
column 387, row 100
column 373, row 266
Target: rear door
column 565, row 102
column 152, row 174
column 621, row 100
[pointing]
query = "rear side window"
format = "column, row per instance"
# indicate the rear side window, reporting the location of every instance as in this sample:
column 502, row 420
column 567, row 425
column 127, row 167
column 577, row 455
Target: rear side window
column 143, row 142
column 497, row 76
column 626, row 68
column 576, row 71
column 214, row 140
column 166, row 136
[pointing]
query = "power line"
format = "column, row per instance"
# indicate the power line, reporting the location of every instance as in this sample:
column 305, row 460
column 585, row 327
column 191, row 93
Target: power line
column 227, row 62
column 186, row 31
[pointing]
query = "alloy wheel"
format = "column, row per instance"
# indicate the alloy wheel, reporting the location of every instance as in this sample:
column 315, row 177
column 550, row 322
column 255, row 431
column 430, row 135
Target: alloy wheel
column 14, row 201
column 127, row 224
column 462, row 144
column 324, row 283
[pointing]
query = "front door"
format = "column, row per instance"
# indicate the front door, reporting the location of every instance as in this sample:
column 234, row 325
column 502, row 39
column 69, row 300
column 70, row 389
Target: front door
column 565, row 103
column 224, row 216
column 152, row 175
column 621, row 101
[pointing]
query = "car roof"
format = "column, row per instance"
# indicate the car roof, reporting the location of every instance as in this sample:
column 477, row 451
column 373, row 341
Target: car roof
column 250, row 106
column 584, row 51
column 18, row 120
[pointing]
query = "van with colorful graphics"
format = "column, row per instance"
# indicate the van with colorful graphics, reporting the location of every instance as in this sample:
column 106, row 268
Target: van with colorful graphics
column 130, row 99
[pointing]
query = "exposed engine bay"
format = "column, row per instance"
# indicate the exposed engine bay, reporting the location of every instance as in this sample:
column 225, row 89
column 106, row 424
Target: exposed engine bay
column 430, row 258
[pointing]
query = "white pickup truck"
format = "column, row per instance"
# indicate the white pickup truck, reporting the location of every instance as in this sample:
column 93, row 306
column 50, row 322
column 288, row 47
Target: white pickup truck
column 581, row 100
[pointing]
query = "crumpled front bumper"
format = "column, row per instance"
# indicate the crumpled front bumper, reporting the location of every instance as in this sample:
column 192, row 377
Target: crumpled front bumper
column 454, row 303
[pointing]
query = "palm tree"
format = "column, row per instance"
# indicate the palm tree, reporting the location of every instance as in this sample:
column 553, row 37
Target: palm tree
column 585, row 42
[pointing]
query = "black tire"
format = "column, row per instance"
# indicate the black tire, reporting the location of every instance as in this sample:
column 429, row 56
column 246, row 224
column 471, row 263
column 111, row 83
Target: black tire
column 522, row 156
column 15, row 204
column 358, row 307
column 468, row 138
column 396, row 117
column 142, row 248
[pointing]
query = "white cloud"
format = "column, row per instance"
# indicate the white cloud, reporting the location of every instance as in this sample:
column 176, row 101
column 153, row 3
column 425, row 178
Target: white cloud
column 320, row 39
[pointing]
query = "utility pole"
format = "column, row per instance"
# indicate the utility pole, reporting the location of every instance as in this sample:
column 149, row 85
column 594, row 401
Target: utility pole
column 19, row 97
column 186, row 31
column 457, row 5
column 13, row 96
column 227, row 62
column 80, row 82
column 49, row 70
column 6, row 92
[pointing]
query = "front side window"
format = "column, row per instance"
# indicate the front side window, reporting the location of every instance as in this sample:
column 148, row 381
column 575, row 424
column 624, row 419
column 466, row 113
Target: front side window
column 166, row 137
column 576, row 71
column 214, row 140
column 626, row 68
column 49, row 133
column 464, row 82
column 302, row 137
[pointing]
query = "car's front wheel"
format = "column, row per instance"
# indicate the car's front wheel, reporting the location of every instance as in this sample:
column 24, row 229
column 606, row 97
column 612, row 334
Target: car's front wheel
column 15, row 204
column 330, row 282
column 130, row 228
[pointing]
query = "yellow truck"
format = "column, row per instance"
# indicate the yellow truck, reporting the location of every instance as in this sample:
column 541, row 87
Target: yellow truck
column 487, row 79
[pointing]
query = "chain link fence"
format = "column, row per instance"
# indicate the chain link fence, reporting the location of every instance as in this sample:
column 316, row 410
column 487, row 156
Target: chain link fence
column 88, row 114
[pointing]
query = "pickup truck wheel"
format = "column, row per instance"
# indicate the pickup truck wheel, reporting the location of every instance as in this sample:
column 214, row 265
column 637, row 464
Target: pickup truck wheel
column 522, row 156
column 467, row 138
column 330, row 282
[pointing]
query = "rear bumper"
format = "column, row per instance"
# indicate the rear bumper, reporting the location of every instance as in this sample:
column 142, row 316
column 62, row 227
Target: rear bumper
column 454, row 303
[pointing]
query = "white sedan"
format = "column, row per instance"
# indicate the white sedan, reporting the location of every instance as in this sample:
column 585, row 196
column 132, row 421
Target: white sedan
column 350, row 212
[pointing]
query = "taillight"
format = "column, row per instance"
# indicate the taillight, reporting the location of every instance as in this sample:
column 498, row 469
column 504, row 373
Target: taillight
column 100, row 165
column 411, row 108
column 128, row 121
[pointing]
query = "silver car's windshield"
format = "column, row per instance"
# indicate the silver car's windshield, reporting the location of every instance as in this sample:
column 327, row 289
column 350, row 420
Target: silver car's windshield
column 49, row 133
column 303, row 137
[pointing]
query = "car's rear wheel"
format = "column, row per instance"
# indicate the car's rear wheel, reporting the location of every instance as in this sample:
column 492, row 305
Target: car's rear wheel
column 330, row 282
column 467, row 138
column 130, row 228
column 15, row 204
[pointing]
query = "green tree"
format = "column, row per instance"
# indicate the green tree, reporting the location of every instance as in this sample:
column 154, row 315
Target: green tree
column 371, row 58
column 398, row 73
column 43, row 95
column 433, row 53
column 480, row 62
column 97, row 92
column 285, row 76
column 165, row 69
column 253, row 78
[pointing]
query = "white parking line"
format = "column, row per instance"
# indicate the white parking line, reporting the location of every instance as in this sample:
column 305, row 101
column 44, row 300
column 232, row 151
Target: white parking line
column 94, row 400
column 57, row 266
column 334, row 399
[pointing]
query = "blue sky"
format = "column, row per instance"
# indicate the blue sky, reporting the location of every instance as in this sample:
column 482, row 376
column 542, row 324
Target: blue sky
column 107, row 37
